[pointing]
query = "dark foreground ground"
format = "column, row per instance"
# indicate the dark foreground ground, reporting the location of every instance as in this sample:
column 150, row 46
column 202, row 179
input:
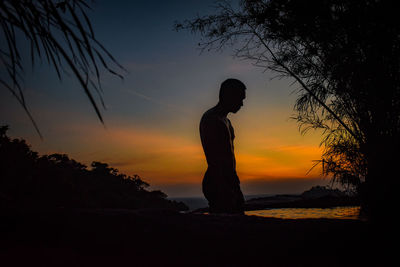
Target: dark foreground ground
column 165, row 238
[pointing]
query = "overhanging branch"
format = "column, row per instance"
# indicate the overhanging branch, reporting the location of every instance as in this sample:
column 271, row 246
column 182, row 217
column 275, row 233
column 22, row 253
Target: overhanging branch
column 305, row 87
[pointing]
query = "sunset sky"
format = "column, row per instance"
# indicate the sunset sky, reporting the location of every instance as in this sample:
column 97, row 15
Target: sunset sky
column 152, row 116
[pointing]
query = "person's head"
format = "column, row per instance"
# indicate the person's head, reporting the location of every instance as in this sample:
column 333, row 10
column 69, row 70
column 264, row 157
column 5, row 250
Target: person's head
column 231, row 95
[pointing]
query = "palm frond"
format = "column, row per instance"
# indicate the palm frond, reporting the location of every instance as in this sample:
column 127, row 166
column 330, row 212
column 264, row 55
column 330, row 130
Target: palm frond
column 59, row 32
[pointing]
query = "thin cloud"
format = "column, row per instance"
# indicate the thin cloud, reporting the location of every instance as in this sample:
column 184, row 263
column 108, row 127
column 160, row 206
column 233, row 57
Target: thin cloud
column 157, row 101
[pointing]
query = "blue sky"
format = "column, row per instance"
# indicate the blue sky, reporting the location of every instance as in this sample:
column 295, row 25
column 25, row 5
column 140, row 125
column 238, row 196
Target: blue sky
column 152, row 116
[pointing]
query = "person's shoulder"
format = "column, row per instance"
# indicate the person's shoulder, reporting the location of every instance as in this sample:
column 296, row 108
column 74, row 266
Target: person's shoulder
column 210, row 118
column 209, row 115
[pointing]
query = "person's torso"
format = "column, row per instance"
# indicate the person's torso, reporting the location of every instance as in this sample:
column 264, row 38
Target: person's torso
column 210, row 118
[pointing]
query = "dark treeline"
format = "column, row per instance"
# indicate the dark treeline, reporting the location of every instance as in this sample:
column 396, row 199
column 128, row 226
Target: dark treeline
column 50, row 181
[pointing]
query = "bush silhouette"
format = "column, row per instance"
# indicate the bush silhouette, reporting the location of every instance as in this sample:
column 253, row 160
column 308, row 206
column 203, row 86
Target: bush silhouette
column 30, row 180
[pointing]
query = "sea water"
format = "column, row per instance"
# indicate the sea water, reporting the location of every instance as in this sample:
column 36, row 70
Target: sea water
column 348, row 212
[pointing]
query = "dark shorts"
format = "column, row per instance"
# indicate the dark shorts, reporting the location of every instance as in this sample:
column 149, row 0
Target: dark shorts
column 222, row 192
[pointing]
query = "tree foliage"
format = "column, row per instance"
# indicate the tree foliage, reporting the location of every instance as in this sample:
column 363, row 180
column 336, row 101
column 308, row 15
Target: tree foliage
column 344, row 56
column 58, row 32
column 30, row 180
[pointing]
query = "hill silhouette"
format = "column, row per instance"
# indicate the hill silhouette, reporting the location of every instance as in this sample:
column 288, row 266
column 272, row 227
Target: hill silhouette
column 28, row 180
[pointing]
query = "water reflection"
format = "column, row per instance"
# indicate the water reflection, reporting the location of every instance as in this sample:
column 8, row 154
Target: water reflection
column 309, row 213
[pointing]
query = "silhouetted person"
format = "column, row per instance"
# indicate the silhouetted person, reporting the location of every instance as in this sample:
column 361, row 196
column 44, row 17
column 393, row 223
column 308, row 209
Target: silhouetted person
column 221, row 185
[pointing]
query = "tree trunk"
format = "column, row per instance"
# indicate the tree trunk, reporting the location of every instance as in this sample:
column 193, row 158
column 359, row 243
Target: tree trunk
column 381, row 186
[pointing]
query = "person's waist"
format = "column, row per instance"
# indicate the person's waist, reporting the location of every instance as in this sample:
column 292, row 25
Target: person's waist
column 221, row 170
column 220, row 167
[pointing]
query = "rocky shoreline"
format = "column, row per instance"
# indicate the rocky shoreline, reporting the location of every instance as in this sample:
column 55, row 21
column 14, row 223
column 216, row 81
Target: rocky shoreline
column 316, row 197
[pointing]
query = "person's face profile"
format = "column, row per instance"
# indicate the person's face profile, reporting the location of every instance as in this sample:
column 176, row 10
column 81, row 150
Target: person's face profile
column 237, row 101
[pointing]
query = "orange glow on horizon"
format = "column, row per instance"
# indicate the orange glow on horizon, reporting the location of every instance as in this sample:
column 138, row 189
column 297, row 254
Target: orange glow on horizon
column 162, row 158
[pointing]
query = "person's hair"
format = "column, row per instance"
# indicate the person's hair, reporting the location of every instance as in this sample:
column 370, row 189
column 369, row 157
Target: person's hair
column 229, row 87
